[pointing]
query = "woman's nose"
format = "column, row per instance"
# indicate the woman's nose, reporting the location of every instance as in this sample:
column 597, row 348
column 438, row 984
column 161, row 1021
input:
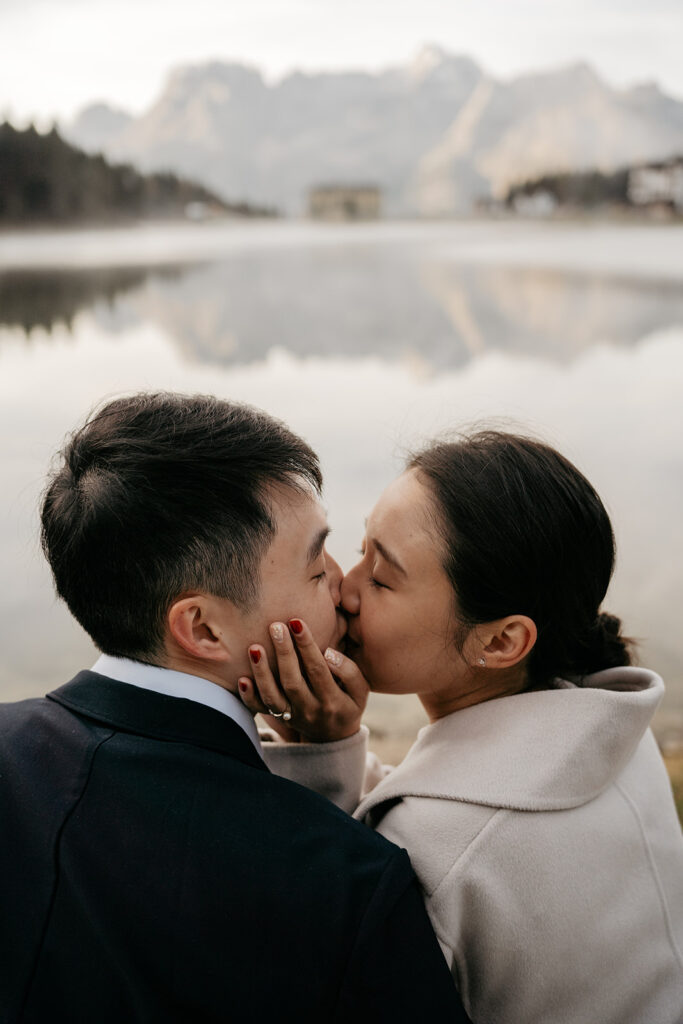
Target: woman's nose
column 350, row 595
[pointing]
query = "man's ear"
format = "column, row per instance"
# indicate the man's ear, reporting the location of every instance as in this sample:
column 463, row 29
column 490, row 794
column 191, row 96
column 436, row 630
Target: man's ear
column 197, row 627
column 503, row 643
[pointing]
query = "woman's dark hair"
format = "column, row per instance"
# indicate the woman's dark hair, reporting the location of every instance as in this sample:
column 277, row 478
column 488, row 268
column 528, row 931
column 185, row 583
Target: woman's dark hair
column 525, row 533
column 159, row 494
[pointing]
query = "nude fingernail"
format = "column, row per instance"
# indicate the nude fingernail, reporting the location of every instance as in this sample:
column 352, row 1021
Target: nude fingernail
column 334, row 657
column 277, row 631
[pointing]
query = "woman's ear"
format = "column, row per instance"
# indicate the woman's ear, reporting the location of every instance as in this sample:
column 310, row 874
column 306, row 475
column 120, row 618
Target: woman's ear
column 194, row 625
column 506, row 642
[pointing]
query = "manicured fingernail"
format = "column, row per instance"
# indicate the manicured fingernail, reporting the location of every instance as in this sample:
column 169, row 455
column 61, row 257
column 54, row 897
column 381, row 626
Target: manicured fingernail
column 277, row 631
column 242, row 685
column 334, row 657
column 255, row 655
column 297, row 626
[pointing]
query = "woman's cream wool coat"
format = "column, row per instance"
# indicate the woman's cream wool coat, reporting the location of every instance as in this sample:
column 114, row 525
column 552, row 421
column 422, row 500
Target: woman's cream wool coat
column 544, row 833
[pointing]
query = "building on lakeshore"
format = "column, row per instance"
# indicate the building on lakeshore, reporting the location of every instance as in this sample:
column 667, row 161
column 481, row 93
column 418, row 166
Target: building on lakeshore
column 541, row 203
column 657, row 184
column 344, row 202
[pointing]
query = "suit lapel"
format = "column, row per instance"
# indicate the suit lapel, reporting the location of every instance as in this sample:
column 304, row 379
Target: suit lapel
column 135, row 710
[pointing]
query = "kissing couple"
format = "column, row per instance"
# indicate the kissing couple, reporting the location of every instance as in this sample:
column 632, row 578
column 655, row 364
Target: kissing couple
column 162, row 861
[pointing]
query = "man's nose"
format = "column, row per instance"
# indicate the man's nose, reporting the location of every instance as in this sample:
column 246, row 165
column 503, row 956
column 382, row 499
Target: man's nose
column 334, row 577
column 350, row 595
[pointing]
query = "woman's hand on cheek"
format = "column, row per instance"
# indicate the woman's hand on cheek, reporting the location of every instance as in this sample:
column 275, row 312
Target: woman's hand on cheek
column 325, row 695
column 262, row 696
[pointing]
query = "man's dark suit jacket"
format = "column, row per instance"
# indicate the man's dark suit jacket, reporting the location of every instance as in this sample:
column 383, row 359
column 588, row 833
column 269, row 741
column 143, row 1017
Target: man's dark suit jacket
column 153, row 870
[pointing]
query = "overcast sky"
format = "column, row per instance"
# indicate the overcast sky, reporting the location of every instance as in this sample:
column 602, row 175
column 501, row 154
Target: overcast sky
column 58, row 55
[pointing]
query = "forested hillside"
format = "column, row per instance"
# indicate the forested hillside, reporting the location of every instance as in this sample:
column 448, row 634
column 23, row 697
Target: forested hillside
column 44, row 179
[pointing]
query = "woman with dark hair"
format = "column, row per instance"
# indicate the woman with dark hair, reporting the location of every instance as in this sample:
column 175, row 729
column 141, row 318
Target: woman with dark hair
column 535, row 806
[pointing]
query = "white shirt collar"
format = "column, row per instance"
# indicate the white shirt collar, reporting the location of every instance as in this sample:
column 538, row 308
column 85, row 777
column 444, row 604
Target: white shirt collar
column 179, row 684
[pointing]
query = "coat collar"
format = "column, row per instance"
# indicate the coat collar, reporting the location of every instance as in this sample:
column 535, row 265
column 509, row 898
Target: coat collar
column 543, row 750
column 144, row 713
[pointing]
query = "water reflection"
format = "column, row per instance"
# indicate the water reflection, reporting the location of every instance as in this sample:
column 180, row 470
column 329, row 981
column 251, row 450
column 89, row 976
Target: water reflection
column 333, row 302
column 46, row 298
column 550, row 313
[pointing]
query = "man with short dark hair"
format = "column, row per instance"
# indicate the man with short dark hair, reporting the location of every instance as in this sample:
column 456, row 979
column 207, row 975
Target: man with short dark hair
column 153, row 869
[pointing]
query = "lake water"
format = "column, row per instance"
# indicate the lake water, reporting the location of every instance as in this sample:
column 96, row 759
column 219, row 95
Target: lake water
column 366, row 339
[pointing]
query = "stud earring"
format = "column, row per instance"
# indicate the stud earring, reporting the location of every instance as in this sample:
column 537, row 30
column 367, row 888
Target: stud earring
column 482, row 662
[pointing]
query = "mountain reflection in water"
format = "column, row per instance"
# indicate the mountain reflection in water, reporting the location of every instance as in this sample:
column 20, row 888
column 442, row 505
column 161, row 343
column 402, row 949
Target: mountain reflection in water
column 325, row 304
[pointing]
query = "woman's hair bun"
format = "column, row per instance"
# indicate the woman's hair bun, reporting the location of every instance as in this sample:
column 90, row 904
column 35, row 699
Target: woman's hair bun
column 605, row 646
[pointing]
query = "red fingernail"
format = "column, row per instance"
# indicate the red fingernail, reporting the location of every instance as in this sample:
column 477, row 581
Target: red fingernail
column 296, row 626
column 243, row 687
column 255, row 655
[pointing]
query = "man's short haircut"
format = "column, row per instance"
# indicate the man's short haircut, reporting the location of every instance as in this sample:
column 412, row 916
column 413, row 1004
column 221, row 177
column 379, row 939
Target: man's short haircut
column 162, row 494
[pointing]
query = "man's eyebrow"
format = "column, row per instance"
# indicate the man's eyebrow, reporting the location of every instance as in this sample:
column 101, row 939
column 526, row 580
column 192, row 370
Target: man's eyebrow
column 388, row 557
column 317, row 544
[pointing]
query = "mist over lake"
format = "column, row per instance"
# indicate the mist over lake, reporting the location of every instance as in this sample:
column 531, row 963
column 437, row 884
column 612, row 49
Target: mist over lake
column 367, row 340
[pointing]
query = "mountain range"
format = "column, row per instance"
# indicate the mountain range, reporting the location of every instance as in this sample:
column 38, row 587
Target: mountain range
column 437, row 135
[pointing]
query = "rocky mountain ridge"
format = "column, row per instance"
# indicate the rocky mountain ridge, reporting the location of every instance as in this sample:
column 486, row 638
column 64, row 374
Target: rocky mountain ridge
column 436, row 135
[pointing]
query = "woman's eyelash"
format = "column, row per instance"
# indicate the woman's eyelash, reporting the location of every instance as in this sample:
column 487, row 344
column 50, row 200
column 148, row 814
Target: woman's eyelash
column 321, row 575
column 375, row 583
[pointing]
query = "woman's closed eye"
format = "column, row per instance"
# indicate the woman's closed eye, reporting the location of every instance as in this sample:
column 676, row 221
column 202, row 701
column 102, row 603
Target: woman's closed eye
column 372, row 579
